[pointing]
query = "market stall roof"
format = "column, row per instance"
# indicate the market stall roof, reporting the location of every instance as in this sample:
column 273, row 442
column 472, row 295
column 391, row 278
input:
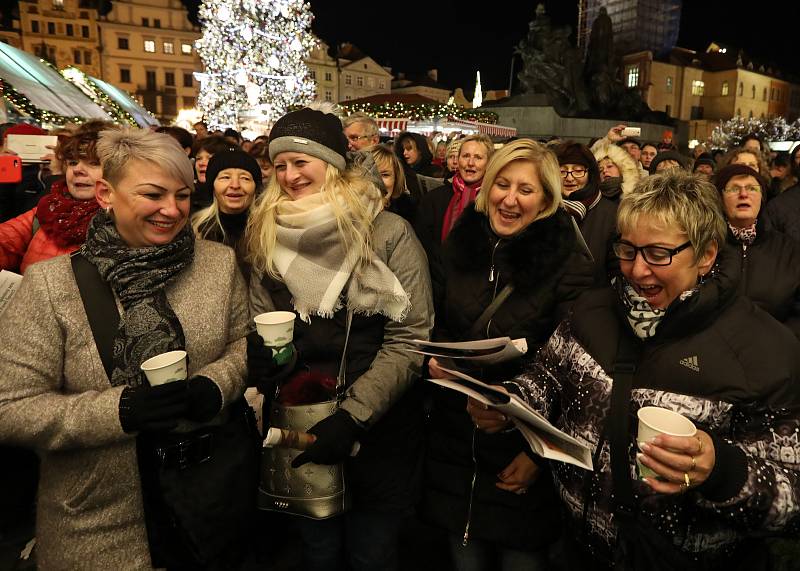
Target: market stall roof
column 114, row 100
column 34, row 86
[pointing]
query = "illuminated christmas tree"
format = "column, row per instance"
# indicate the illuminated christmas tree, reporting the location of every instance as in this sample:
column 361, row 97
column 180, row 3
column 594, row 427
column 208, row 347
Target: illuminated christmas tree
column 254, row 54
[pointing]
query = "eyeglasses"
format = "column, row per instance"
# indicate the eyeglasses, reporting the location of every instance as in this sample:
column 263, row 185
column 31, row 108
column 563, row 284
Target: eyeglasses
column 356, row 138
column 576, row 174
column 653, row 255
column 750, row 189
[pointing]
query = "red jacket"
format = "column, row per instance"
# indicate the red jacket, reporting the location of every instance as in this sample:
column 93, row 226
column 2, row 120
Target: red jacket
column 20, row 247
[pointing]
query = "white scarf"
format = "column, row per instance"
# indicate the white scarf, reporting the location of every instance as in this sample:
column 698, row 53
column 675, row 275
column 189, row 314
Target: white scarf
column 312, row 260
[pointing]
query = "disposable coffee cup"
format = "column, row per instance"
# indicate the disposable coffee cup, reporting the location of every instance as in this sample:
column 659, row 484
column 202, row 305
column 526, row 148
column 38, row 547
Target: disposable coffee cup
column 654, row 420
column 275, row 327
column 165, row 368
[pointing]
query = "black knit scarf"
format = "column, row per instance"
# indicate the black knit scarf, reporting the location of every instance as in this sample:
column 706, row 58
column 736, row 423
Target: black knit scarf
column 139, row 276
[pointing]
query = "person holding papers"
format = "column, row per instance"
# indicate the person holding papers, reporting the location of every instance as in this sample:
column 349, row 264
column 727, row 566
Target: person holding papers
column 671, row 333
column 513, row 263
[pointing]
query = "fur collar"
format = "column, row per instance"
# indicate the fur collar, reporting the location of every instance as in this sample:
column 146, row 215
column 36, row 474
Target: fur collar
column 538, row 254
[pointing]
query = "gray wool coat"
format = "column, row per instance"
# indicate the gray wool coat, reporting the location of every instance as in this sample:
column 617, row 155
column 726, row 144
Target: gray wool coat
column 55, row 398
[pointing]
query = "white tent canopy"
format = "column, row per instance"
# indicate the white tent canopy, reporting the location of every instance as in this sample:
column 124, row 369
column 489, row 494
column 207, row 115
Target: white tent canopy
column 45, row 87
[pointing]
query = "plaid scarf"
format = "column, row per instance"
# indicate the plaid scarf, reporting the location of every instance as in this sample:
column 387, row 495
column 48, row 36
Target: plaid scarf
column 315, row 264
column 139, row 276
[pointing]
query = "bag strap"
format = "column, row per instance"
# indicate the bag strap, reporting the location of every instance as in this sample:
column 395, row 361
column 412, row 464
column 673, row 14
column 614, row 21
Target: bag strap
column 100, row 306
column 476, row 330
column 340, row 378
column 624, row 371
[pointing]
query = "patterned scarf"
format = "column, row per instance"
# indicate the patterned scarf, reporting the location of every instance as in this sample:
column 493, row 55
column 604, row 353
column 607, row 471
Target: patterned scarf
column 581, row 202
column 139, row 276
column 744, row 235
column 315, row 265
column 463, row 195
column 63, row 218
column 642, row 318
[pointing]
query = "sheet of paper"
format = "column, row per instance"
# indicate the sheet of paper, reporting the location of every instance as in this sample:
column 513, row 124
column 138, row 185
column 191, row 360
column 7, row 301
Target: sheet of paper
column 480, row 352
column 9, row 282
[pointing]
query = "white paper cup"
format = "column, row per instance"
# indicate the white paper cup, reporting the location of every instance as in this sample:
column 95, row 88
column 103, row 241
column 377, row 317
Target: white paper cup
column 275, row 327
column 654, row 420
column 165, row 368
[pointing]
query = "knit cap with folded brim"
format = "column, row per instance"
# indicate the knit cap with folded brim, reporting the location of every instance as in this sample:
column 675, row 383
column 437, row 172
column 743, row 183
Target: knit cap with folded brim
column 311, row 132
column 236, row 159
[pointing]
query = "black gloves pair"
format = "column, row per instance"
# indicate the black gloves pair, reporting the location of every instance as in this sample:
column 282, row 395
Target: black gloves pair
column 160, row 408
column 336, row 435
column 265, row 370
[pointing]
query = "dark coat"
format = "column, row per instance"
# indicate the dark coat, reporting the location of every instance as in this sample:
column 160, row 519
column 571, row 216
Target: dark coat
column 599, row 229
column 770, row 275
column 783, row 212
column 717, row 359
column 428, row 221
column 424, row 165
column 548, row 271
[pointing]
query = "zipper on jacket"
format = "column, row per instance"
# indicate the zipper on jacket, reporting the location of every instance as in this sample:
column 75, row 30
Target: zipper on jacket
column 743, row 280
column 471, row 489
column 491, row 262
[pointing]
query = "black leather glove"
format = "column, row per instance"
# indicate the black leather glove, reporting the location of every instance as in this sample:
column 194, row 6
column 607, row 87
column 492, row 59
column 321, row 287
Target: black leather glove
column 264, row 370
column 205, row 399
column 336, row 435
column 146, row 408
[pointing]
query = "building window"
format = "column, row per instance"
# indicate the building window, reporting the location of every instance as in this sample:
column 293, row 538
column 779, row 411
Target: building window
column 35, row 26
column 359, row 82
column 156, row 23
column 58, row 4
column 669, row 84
column 169, row 78
column 188, row 79
column 752, row 92
column 668, row 110
column 771, row 95
column 76, row 55
column 698, row 87
column 328, row 95
column 741, row 88
column 70, row 30
column 313, row 74
column 724, row 88
column 348, row 79
column 124, row 76
column 751, row 114
column 83, row 15
column 347, row 97
column 122, row 43
column 146, row 22
column 186, row 49
column 632, row 76
column 328, row 76
column 370, row 82
column 85, row 31
column 696, row 112
column 382, row 84
column 739, row 112
column 51, row 28
column 150, row 79
column 87, row 58
column 169, row 48
column 188, row 102
column 150, row 46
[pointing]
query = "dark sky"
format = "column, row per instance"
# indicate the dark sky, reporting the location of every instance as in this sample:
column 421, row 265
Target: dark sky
column 460, row 37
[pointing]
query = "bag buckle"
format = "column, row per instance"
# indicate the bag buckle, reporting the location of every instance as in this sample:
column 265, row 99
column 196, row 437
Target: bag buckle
column 192, row 451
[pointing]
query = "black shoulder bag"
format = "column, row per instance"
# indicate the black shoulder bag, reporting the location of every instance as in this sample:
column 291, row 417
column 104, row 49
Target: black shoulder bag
column 639, row 544
column 199, row 488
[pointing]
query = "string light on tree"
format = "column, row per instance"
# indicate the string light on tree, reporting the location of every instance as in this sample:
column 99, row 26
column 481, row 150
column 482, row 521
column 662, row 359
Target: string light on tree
column 254, row 53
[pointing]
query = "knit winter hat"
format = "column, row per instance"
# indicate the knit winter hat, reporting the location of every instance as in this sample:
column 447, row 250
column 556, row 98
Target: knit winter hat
column 727, row 173
column 311, row 132
column 704, row 159
column 571, row 153
column 233, row 160
column 667, row 156
column 633, row 140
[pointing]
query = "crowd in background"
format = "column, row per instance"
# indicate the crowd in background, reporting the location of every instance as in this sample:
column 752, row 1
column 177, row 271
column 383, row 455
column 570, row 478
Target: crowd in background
column 584, row 250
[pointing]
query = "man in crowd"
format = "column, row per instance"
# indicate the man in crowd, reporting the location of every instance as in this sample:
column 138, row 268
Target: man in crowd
column 634, row 148
column 361, row 131
column 649, row 152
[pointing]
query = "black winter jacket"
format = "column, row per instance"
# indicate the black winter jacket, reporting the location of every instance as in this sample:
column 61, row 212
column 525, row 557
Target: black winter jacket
column 717, row 359
column 548, row 272
column 770, row 275
column 783, row 212
column 599, row 229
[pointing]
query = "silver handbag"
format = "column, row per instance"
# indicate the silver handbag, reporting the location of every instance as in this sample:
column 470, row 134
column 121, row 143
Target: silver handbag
column 313, row 490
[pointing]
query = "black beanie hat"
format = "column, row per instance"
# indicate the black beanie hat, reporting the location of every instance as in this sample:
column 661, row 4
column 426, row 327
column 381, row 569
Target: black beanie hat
column 667, row 156
column 311, row 132
column 573, row 153
column 727, row 173
column 237, row 159
column 704, row 159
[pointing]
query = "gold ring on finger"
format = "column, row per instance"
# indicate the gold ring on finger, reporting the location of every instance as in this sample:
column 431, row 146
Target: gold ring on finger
column 694, row 464
column 700, row 444
column 687, row 480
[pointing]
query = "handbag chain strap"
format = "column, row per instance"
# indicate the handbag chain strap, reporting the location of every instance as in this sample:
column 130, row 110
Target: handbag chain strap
column 624, row 371
column 340, row 378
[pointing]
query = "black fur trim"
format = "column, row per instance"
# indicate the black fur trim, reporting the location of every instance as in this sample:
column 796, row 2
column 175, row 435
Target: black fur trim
column 538, row 254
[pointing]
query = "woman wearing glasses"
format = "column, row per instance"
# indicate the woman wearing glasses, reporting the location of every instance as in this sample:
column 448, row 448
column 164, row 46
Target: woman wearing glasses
column 770, row 272
column 696, row 348
column 485, row 490
column 594, row 213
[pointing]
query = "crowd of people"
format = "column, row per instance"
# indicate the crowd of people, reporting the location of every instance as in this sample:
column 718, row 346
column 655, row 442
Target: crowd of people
column 638, row 276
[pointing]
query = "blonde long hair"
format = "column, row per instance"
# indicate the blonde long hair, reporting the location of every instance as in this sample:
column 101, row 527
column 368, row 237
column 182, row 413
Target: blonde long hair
column 345, row 191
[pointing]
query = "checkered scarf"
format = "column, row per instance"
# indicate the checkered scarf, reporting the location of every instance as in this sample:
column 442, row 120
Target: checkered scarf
column 314, row 263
